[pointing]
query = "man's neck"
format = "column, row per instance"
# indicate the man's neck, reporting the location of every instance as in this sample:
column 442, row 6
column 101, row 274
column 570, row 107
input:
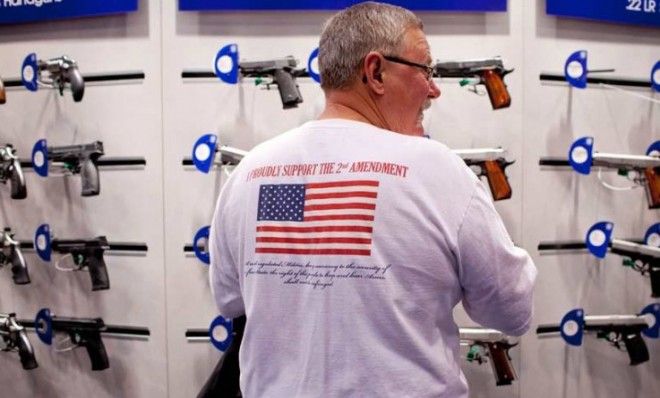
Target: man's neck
column 353, row 105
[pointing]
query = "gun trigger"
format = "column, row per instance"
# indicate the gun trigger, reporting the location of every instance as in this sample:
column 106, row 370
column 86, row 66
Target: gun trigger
column 628, row 262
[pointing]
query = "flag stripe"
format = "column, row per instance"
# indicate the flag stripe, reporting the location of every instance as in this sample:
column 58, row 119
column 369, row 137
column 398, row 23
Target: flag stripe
column 350, row 194
column 363, row 235
column 330, row 217
column 345, row 252
column 268, row 239
column 337, row 228
column 365, row 212
column 342, row 184
column 361, row 188
column 369, row 206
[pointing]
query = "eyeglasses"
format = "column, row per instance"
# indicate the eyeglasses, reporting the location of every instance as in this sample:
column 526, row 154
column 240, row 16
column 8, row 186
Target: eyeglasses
column 428, row 70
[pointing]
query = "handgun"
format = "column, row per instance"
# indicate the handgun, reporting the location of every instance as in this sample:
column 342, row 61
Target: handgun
column 616, row 329
column 642, row 256
column 62, row 72
column 75, row 159
column 11, row 254
column 490, row 343
column 642, row 170
column 10, row 169
column 282, row 71
column 82, row 332
column 489, row 163
column 489, row 72
column 206, row 149
column 14, row 338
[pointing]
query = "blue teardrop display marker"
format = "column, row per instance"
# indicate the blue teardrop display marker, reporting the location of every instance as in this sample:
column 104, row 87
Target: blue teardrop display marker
column 655, row 76
column 654, row 149
column 43, row 324
column 575, row 69
column 30, row 72
column 598, row 238
column 580, row 155
column 652, row 312
column 42, row 243
column 572, row 327
column 221, row 333
column 203, row 153
column 227, row 73
column 313, row 72
column 202, row 255
column 40, row 158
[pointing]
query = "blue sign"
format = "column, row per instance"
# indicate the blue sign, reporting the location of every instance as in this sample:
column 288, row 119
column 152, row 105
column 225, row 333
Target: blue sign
column 17, row 11
column 638, row 12
column 436, row 5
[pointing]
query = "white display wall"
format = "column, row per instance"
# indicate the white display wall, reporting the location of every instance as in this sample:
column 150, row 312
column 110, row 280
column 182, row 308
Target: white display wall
column 164, row 203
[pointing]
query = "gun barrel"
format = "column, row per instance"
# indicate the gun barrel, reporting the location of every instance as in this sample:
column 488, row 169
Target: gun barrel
column 87, row 324
column 480, row 153
column 470, row 334
column 231, row 155
column 632, row 248
column 67, row 150
column 467, row 68
column 596, row 321
column 618, row 161
column 65, row 245
column 257, row 68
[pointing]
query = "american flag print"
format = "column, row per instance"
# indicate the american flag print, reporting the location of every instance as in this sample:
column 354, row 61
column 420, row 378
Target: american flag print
column 325, row 218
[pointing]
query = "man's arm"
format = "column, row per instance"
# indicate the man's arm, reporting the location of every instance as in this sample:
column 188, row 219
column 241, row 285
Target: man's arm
column 223, row 270
column 497, row 277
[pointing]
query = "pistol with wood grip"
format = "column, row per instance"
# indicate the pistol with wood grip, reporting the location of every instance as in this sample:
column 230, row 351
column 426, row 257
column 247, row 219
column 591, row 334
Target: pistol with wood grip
column 489, row 72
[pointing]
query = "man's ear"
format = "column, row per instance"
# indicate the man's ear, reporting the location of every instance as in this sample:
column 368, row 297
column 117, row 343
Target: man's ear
column 372, row 72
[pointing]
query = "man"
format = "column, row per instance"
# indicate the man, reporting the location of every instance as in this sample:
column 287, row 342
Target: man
column 348, row 241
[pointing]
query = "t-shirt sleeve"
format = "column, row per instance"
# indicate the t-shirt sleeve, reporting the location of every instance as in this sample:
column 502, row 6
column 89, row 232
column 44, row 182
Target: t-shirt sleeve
column 223, row 270
column 497, row 278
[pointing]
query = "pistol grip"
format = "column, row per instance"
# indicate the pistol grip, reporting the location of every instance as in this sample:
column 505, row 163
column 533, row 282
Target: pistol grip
column 25, row 352
column 288, row 89
column 98, row 272
column 18, row 267
column 89, row 174
column 18, row 189
column 497, row 181
column 501, row 364
column 653, row 187
column 637, row 350
column 77, row 84
column 499, row 95
column 96, row 351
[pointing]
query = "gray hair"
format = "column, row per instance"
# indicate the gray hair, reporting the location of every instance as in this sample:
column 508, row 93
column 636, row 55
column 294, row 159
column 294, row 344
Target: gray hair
column 351, row 34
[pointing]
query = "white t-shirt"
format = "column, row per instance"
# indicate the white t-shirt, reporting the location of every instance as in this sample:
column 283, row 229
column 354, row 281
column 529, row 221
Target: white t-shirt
column 347, row 247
